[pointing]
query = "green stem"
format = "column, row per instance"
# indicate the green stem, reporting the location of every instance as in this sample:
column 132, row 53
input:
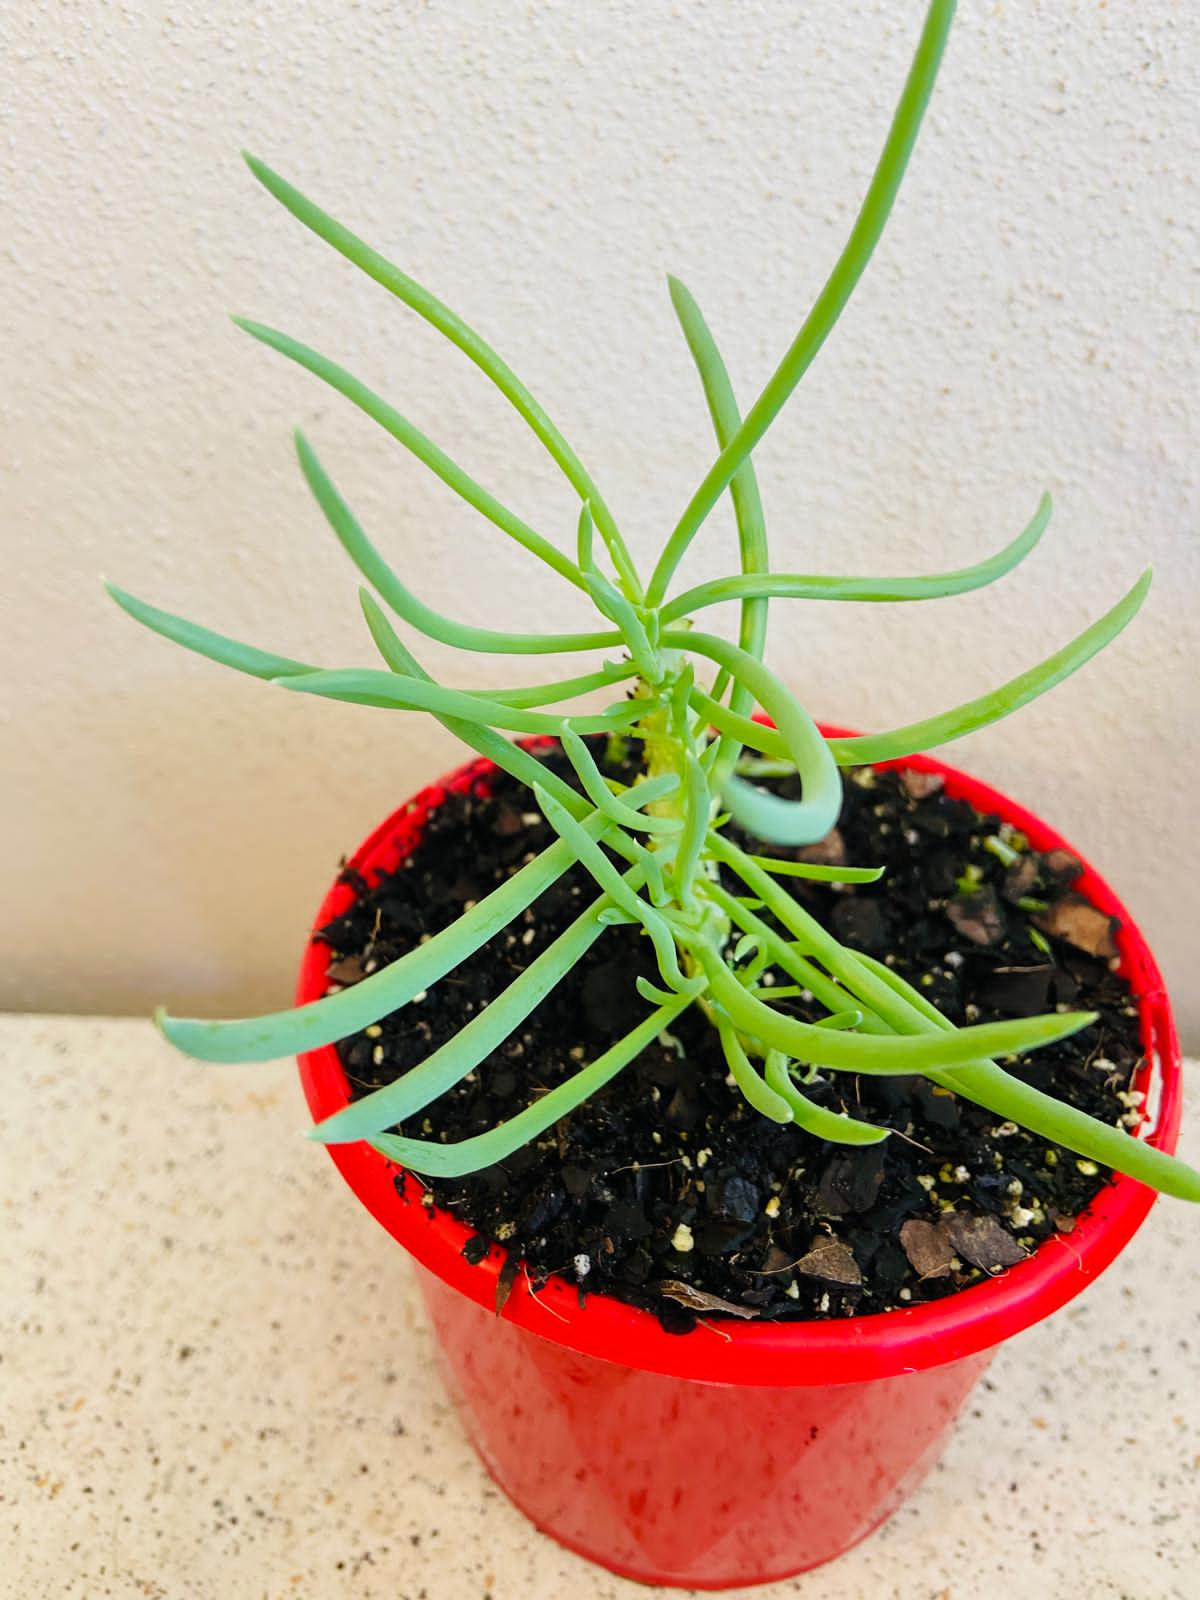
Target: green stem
column 747, row 506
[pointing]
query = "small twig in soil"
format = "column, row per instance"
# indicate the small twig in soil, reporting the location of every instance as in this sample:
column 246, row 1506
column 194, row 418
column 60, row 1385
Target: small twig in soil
column 533, row 1295
column 712, row 1328
column 770, row 1272
column 908, row 1139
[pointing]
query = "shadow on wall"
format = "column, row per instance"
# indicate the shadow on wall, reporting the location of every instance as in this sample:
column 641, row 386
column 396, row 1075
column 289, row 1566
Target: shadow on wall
column 199, row 839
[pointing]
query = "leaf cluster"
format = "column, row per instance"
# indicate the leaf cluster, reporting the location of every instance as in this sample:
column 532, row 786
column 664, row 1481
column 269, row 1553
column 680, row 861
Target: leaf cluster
column 655, row 849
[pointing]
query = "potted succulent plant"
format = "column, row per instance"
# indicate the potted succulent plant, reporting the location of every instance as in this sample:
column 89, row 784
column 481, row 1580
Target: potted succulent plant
column 702, row 1126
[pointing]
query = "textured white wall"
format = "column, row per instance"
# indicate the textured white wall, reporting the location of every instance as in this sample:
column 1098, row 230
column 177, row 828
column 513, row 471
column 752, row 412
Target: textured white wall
column 1028, row 323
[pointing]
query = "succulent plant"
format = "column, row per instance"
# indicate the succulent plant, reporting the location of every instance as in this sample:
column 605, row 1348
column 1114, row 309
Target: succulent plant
column 658, row 848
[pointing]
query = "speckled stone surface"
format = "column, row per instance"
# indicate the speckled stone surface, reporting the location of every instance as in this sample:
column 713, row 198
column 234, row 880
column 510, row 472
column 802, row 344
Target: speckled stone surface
column 215, row 1383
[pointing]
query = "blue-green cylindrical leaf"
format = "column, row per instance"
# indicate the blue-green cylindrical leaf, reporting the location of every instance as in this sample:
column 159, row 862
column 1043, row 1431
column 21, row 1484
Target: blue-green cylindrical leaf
column 834, row 1126
column 320, row 1022
column 882, row 1054
column 812, row 586
column 755, row 1091
column 216, row 646
column 460, row 333
column 473, row 1043
column 747, row 504
column 781, row 867
column 529, row 696
column 601, row 795
column 1008, row 1098
column 485, row 1149
column 411, row 437
column 765, row 815
column 365, row 686
column 284, row 1033
column 811, row 817
column 1010, row 697
column 380, row 574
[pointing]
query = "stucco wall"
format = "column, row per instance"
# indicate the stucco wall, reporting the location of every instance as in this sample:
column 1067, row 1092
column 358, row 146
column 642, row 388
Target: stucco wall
column 1028, row 323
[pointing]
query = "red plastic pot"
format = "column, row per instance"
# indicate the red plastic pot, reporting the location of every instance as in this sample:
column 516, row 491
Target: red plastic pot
column 740, row 1452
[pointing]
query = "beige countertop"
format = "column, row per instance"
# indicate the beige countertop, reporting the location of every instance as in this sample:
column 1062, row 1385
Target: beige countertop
column 215, row 1383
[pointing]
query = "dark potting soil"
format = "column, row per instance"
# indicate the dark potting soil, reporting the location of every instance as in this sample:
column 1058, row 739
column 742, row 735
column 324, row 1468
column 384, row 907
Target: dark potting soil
column 666, row 1189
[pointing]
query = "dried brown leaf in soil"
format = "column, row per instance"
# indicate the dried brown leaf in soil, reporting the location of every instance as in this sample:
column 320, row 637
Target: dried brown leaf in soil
column 850, row 1182
column 505, row 1281
column 928, row 1247
column 1080, row 924
column 832, row 1260
column 978, row 916
column 508, row 822
column 1020, row 879
column 1061, row 865
column 983, row 1242
column 700, row 1300
column 346, row 970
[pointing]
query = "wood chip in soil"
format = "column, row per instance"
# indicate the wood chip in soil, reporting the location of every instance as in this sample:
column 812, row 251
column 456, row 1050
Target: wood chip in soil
column 832, row 1261
column 1080, row 924
column 983, row 1242
column 928, row 1246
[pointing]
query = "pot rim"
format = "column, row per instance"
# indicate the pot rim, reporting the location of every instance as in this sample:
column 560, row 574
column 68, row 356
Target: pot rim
column 843, row 1350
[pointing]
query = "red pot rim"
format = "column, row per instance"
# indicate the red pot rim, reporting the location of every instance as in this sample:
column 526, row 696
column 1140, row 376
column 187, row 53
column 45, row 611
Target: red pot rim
column 847, row 1350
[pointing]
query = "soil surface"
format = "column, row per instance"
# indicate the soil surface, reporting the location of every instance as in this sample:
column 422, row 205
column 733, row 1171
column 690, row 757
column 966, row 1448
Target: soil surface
column 666, row 1189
